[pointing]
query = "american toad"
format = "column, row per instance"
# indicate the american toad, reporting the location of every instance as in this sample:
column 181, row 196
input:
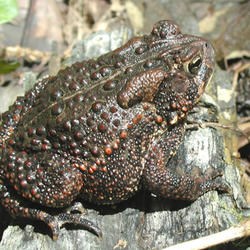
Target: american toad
column 102, row 129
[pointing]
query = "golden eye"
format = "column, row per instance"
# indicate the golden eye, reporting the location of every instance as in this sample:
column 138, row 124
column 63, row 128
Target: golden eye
column 194, row 65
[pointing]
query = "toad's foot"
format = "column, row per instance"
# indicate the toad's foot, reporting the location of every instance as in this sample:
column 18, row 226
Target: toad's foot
column 56, row 222
column 169, row 184
column 212, row 181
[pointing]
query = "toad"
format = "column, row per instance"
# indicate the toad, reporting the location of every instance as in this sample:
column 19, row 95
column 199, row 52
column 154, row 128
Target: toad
column 104, row 128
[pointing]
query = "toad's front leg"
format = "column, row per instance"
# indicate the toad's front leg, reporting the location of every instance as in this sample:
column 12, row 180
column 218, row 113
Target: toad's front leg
column 166, row 183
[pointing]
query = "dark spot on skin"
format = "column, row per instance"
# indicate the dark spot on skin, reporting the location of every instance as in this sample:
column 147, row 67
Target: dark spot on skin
column 141, row 49
column 95, row 76
column 105, row 116
column 73, row 86
column 148, row 64
column 40, row 131
column 105, row 71
column 95, row 151
column 67, row 126
column 128, row 70
column 116, row 122
column 31, row 132
column 118, row 65
column 56, row 94
column 78, row 98
column 78, row 136
column 109, row 85
column 56, row 109
column 96, row 107
column 102, row 127
column 113, row 109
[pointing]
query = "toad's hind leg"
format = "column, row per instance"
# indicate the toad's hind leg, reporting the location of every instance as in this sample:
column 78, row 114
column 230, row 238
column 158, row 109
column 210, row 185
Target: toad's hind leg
column 167, row 183
column 53, row 182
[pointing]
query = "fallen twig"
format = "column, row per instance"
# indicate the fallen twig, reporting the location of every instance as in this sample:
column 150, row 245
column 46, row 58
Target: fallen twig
column 233, row 233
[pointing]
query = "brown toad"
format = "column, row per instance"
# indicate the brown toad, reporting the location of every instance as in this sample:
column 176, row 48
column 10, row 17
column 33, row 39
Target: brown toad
column 101, row 129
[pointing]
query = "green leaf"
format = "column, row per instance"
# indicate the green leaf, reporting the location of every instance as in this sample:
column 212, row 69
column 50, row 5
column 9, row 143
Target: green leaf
column 8, row 10
column 7, row 67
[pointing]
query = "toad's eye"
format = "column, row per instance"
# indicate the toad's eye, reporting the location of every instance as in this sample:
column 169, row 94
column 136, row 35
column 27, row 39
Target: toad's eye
column 194, row 65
